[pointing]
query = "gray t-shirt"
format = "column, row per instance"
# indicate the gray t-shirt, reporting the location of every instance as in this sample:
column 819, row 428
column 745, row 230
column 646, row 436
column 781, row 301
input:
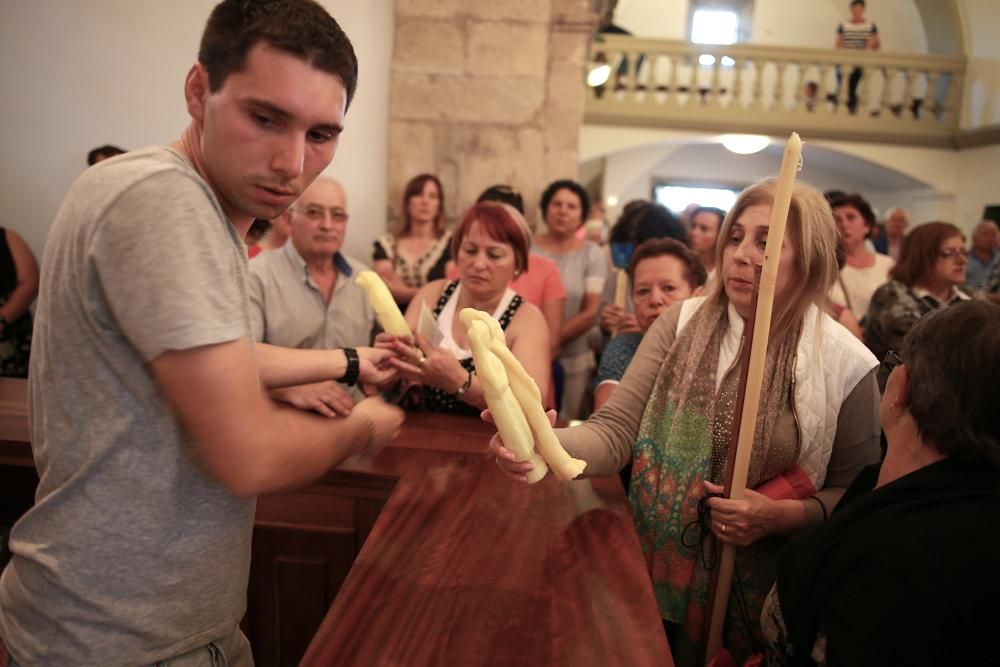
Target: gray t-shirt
column 132, row 553
column 583, row 272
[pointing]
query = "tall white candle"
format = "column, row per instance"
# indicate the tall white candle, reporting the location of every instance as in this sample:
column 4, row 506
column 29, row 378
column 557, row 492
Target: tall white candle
column 755, row 374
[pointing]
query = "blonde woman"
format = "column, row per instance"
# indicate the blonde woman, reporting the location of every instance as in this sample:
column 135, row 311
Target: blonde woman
column 673, row 413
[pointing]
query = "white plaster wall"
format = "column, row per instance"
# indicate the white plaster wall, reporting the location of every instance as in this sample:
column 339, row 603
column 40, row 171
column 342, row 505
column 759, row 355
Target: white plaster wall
column 76, row 75
column 660, row 19
column 976, row 185
column 980, row 19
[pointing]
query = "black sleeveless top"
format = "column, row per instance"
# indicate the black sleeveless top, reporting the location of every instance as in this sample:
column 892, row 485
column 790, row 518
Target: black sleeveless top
column 439, row 400
column 15, row 340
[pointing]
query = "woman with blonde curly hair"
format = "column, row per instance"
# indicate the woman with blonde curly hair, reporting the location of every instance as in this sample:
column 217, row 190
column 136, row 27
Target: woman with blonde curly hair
column 673, row 415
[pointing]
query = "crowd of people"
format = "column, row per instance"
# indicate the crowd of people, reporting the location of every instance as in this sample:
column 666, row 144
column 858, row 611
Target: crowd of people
column 206, row 379
column 888, row 276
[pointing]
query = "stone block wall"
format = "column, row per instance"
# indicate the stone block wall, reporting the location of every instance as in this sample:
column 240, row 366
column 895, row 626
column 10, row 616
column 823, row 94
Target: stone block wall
column 485, row 92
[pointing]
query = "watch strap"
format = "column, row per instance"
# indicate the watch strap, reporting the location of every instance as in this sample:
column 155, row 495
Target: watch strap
column 353, row 371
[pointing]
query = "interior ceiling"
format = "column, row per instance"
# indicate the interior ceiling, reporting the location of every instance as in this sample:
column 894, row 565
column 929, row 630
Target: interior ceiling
column 820, row 165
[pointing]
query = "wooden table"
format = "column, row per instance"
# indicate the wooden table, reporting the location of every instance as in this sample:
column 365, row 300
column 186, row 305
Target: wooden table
column 432, row 557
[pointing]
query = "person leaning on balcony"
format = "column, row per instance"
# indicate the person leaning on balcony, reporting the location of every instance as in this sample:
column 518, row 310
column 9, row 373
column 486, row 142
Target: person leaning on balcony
column 860, row 34
column 565, row 206
column 864, row 270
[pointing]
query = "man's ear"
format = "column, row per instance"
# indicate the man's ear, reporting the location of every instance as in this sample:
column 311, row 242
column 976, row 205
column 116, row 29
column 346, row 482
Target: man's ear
column 196, row 91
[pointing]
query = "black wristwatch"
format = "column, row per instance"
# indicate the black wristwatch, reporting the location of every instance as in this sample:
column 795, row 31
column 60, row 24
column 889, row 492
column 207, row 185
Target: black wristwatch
column 353, row 367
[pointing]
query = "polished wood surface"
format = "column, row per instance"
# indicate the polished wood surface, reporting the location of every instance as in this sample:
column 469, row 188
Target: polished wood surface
column 447, row 562
column 467, row 567
column 15, row 449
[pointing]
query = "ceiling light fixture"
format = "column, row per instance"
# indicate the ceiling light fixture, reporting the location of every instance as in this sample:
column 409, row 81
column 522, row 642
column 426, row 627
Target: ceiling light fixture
column 745, row 144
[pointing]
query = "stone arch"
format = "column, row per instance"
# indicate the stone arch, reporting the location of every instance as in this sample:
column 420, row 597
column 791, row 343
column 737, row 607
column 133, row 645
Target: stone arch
column 942, row 21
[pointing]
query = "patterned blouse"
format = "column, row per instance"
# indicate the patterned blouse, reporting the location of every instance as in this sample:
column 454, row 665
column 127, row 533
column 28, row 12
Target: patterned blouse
column 430, row 266
column 893, row 311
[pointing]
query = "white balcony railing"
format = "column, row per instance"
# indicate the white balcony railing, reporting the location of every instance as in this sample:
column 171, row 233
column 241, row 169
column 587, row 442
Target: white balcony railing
column 910, row 99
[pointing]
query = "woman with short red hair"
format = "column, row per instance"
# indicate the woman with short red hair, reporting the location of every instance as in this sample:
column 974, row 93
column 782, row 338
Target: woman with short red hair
column 490, row 247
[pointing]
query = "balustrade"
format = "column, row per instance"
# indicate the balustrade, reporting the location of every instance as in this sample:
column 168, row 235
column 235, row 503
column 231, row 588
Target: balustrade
column 765, row 89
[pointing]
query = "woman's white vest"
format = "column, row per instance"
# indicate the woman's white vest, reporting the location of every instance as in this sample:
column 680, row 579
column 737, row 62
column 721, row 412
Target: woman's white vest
column 830, row 363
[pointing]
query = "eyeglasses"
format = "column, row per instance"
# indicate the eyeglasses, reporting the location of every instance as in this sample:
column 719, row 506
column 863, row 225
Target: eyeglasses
column 890, row 361
column 953, row 253
column 337, row 214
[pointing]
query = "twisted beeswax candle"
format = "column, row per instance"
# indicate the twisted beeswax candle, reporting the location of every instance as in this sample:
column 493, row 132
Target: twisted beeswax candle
column 507, row 415
column 388, row 313
column 528, row 396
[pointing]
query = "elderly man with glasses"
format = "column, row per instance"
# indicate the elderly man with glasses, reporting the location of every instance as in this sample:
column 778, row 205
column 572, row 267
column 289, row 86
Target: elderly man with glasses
column 303, row 295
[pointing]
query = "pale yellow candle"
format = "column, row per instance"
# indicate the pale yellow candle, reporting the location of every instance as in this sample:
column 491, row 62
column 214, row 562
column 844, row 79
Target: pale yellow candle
column 529, row 398
column 500, row 399
column 621, row 287
column 765, row 306
column 388, row 313
column 755, row 374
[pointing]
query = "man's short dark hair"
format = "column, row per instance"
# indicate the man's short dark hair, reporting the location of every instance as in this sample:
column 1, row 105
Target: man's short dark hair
column 299, row 27
column 952, row 357
column 573, row 187
column 858, row 2
column 103, row 153
column 504, row 194
column 694, row 272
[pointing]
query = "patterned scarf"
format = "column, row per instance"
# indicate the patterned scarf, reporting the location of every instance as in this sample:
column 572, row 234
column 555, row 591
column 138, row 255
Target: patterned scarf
column 673, row 455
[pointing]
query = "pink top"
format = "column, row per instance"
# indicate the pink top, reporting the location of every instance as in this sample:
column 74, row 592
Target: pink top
column 541, row 283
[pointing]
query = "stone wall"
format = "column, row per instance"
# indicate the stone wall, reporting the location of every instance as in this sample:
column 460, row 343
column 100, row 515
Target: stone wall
column 485, row 92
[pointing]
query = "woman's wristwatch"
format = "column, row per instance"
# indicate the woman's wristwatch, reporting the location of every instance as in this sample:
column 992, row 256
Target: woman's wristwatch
column 350, row 377
column 465, row 387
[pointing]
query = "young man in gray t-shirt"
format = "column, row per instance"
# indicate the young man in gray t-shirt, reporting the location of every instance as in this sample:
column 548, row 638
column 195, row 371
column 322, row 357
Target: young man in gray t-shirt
column 151, row 430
